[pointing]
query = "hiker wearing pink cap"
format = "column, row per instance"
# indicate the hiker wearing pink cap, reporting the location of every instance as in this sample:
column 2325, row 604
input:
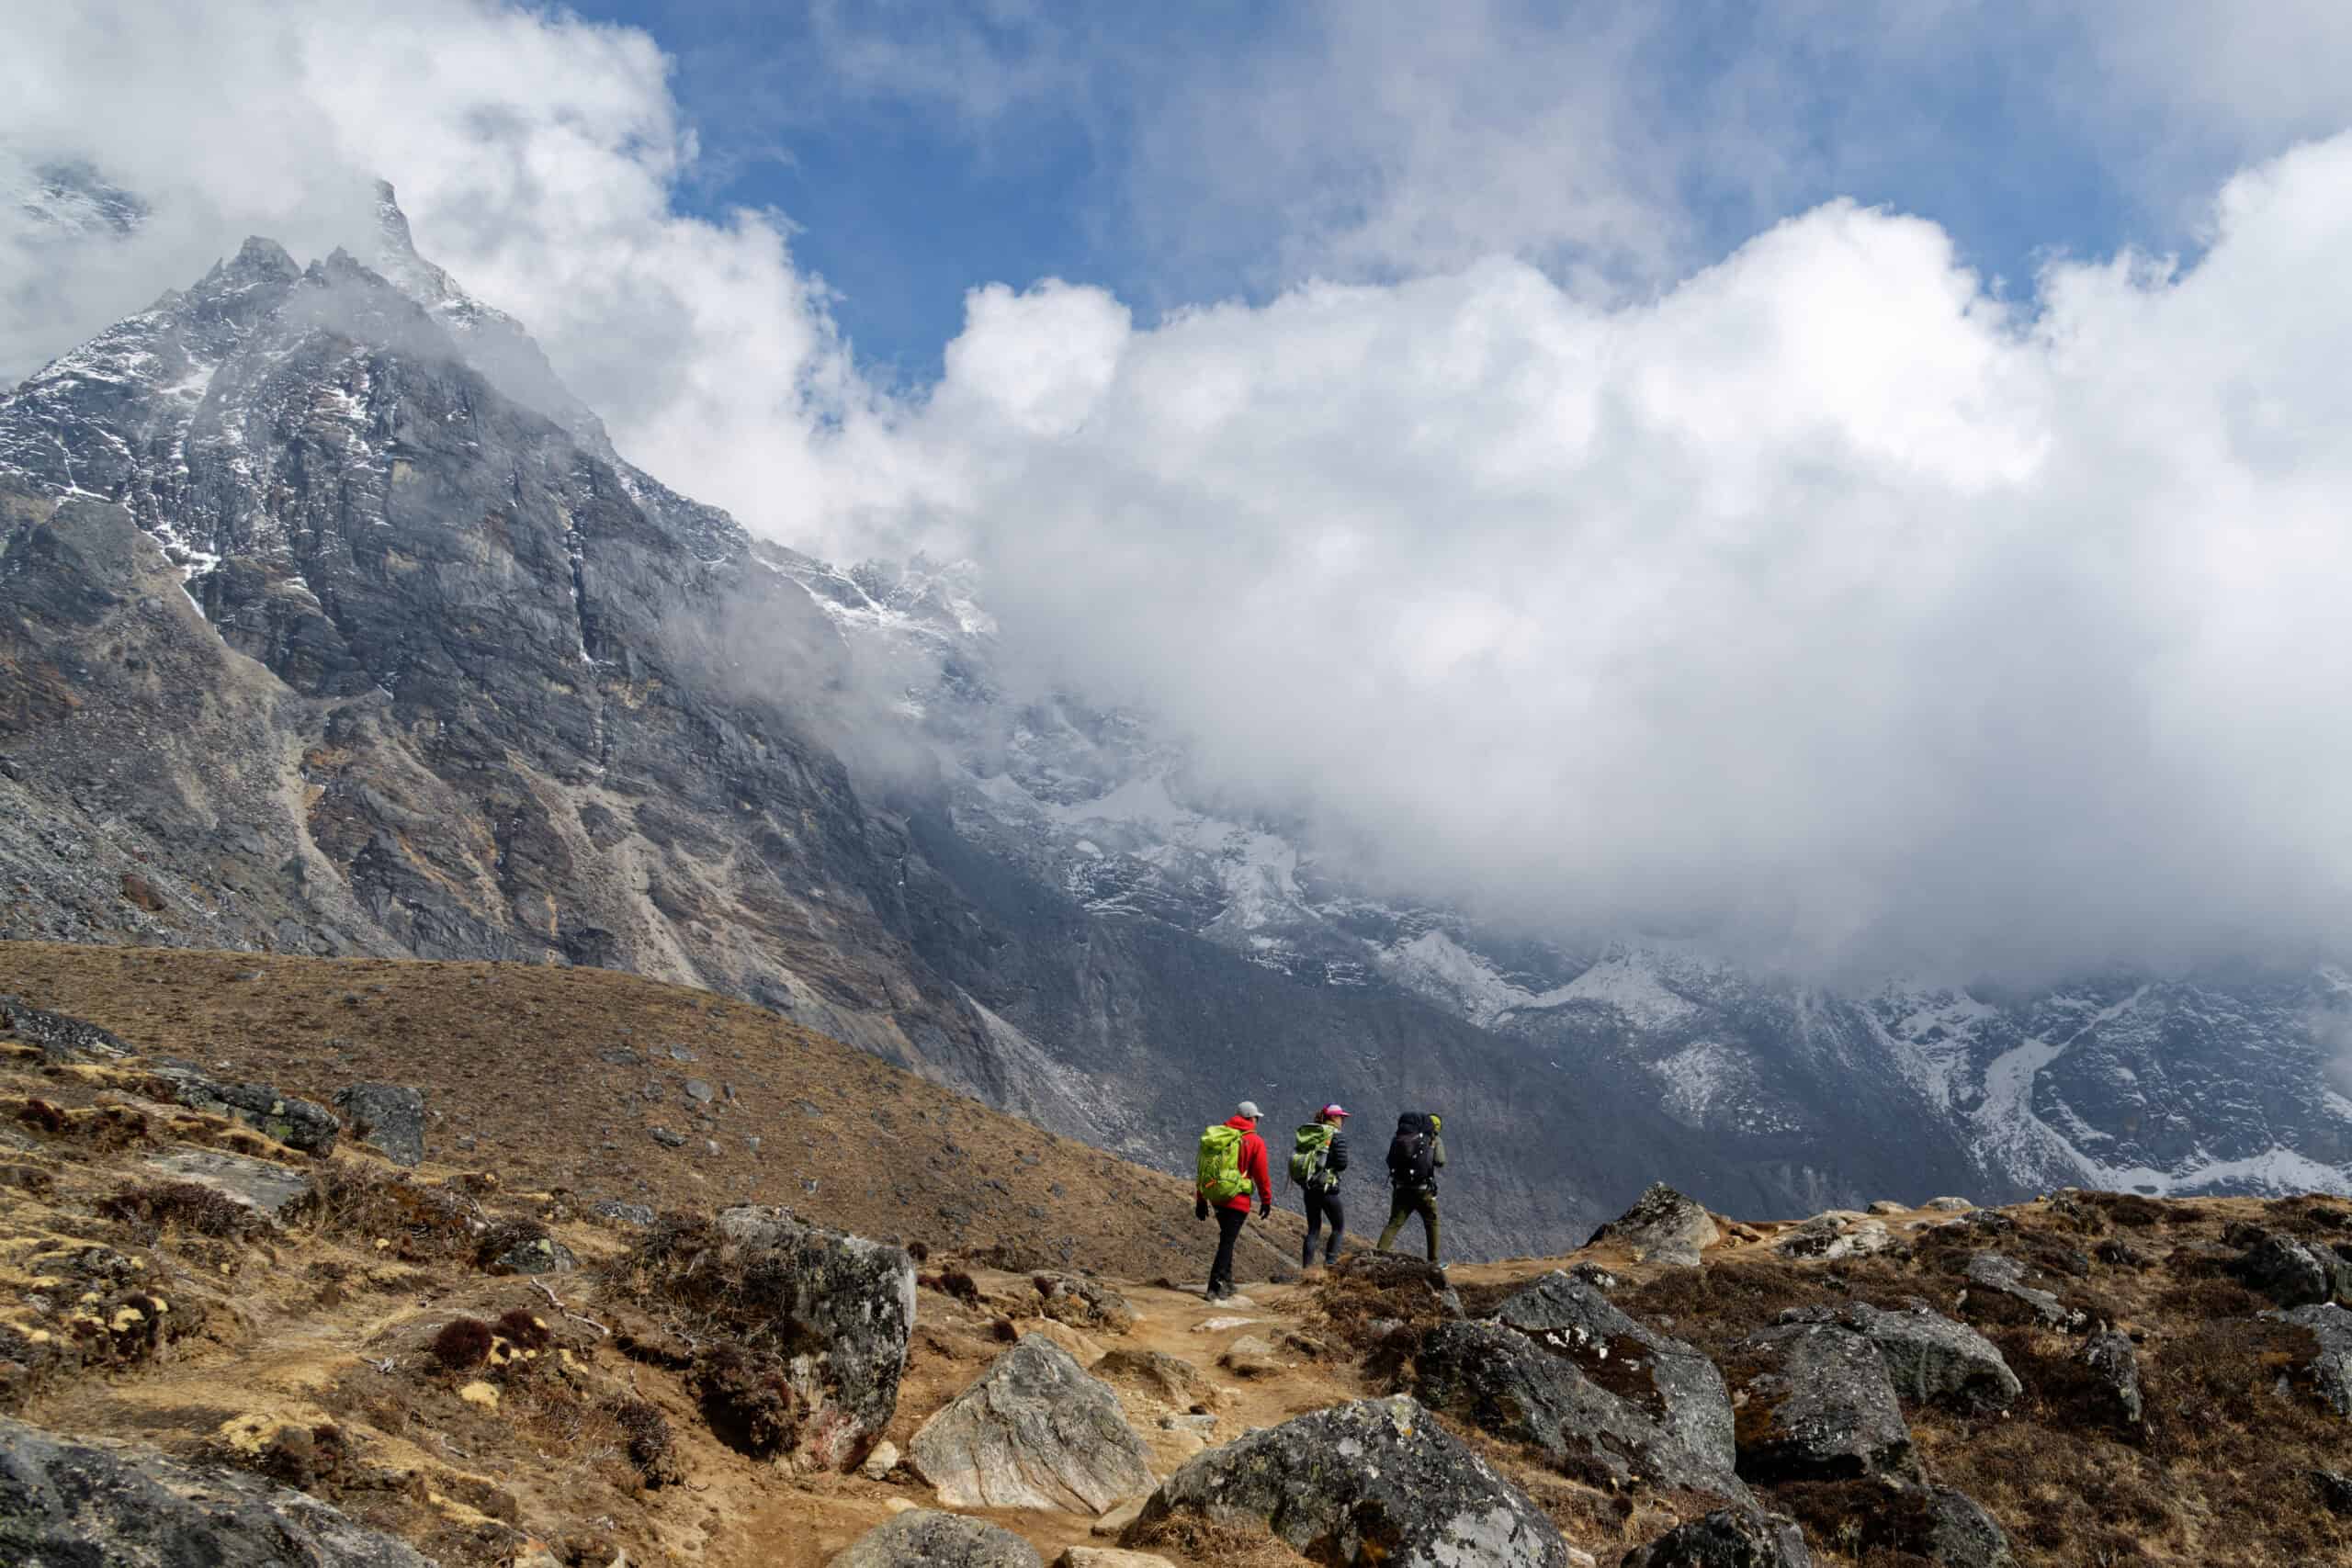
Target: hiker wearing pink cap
column 1315, row 1161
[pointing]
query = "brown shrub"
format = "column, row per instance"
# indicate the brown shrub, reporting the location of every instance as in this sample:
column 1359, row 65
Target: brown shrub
column 952, row 1283
column 652, row 1446
column 745, row 1399
column 463, row 1343
column 1196, row 1538
column 521, row 1329
column 180, row 1205
column 362, row 1200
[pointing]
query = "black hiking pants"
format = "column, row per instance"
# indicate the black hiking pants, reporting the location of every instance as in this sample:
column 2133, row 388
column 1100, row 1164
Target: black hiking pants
column 1319, row 1207
column 1404, row 1203
column 1228, row 1228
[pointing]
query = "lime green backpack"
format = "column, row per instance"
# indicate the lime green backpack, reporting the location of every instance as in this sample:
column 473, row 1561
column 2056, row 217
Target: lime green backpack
column 1220, row 1165
column 1307, row 1157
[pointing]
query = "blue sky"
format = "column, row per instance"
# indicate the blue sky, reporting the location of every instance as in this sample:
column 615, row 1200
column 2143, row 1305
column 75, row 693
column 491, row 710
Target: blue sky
column 924, row 149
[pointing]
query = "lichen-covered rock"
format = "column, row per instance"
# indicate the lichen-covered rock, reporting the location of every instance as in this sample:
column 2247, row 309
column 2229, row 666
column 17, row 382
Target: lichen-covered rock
column 1084, row 1304
column 1961, row 1534
column 1034, row 1432
column 1949, row 1205
column 1665, row 1380
column 1933, row 1360
column 298, row 1123
column 1838, row 1233
column 2004, row 1277
column 2116, row 1367
column 1726, row 1539
column 534, row 1254
column 1377, row 1481
column 2291, row 1273
column 1818, row 1406
column 263, row 1187
column 1502, row 1382
column 55, row 1036
column 2330, row 1369
column 925, row 1537
column 66, row 1505
column 386, row 1117
column 1663, row 1227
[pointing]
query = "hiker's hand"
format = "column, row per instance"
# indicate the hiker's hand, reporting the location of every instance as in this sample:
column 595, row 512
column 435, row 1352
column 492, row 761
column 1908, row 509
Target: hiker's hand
column 1265, row 1213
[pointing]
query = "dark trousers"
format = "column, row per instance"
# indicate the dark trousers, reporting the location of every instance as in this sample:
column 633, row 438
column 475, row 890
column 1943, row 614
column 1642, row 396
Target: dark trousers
column 1319, row 1206
column 1403, row 1204
column 1228, row 1227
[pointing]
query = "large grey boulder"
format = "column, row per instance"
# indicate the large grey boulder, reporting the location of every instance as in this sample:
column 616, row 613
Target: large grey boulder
column 1501, row 1381
column 1034, row 1432
column 1818, row 1407
column 386, row 1117
column 298, row 1123
column 2330, row 1369
column 1377, row 1481
column 925, row 1537
column 1570, row 1316
column 2002, row 1278
column 55, row 1036
column 1961, row 1534
column 1836, row 1234
column 1726, row 1539
column 68, row 1505
column 1663, row 1227
column 266, row 1188
column 1933, row 1360
column 2291, row 1274
column 837, row 1309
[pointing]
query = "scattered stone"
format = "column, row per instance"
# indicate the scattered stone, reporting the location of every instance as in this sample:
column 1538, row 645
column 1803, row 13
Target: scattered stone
column 1034, row 1432
column 2331, row 1368
column 1593, row 1274
column 2116, row 1365
column 1505, row 1383
column 641, row 1215
column 386, row 1117
column 1727, row 1538
column 258, row 1184
column 1663, row 1227
column 1219, row 1325
column 1375, row 1481
column 1252, row 1356
column 1949, row 1205
column 840, row 1308
column 535, row 1255
column 67, row 1503
column 1818, row 1407
column 700, row 1092
column 1084, row 1304
column 57, row 1037
column 2334, row 1490
column 1886, row 1206
column 2005, row 1276
column 1933, row 1360
column 1174, row 1380
column 925, row 1537
column 680, row 1054
column 1113, row 1524
column 1838, row 1233
column 1083, row 1348
column 1107, row 1557
column 666, row 1138
column 1962, row 1535
column 298, row 1123
column 880, row 1462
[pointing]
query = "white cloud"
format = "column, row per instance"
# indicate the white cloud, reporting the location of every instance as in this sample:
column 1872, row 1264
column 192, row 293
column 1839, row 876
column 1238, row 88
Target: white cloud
column 1824, row 598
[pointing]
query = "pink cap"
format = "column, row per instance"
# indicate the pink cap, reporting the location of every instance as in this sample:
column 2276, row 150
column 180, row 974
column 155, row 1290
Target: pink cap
column 1331, row 1111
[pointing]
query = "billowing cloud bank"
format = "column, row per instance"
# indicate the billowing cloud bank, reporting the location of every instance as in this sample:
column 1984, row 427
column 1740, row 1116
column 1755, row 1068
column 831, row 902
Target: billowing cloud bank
column 1828, row 604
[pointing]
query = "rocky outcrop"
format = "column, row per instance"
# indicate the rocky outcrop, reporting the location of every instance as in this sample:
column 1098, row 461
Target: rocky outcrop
column 1416, row 1277
column 2003, row 1279
column 2291, row 1274
column 1034, row 1432
column 2115, row 1368
column 1083, row 1303
column 298, row 1123
column 2330, row 1367
column 833, row 1313
column 925, row 1537
column 1170, row 1378
column 1726, row 1539
column 386, row 1117
column 1838, row 1233
column 1668, row 1384
column 64, row 1505
column 1816, row 1404
column 1378, row 1482
column 266, row 1189
column 1663, row 1227
column 54, row 1036
column 1930, row 1359
column 1961, row 1534
column 1501, row 1381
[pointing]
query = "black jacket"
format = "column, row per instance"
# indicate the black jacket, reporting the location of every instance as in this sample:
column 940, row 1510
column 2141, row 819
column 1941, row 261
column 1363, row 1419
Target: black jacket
column 1335, row 1160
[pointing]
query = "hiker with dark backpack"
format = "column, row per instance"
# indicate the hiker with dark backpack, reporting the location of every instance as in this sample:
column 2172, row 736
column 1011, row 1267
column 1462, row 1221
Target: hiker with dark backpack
column 1319, row 1155
column 1415, row 1156
column 1232, row 1169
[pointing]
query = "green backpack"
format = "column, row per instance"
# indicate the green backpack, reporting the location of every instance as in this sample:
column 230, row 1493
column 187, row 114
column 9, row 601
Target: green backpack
column 1220, row 1165
column 1307, row 1158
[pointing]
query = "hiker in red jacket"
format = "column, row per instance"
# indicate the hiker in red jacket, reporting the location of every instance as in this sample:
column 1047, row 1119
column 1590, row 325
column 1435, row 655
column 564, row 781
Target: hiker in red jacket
column 1256, row 1183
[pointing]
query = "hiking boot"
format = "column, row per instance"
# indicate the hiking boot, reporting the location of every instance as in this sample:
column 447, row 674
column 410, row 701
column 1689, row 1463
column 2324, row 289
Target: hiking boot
column 1310, row 1272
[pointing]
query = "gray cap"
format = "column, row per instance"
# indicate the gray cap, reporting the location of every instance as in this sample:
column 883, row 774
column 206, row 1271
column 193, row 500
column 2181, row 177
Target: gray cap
column 1249, row 1107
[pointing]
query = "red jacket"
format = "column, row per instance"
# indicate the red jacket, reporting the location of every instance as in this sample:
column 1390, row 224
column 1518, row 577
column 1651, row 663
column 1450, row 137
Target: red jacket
column 1253, row 1165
